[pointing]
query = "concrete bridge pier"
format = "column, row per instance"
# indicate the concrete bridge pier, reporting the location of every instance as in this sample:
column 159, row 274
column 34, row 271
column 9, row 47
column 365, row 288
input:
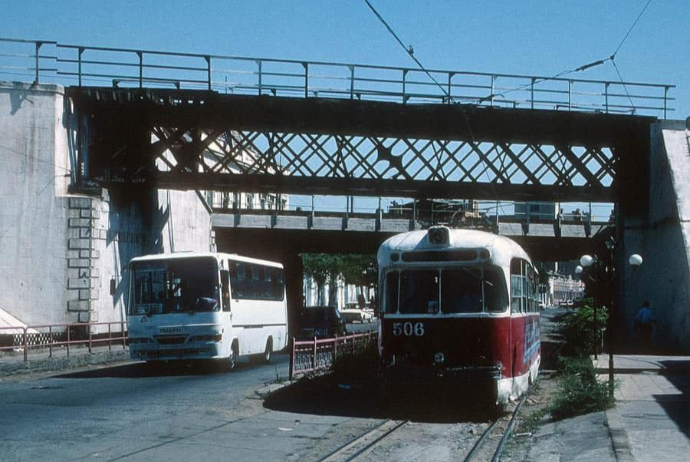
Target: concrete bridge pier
column 660, row 233
column 61, row 249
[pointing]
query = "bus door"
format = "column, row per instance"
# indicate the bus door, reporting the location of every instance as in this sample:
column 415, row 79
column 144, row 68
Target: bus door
column 226, row 313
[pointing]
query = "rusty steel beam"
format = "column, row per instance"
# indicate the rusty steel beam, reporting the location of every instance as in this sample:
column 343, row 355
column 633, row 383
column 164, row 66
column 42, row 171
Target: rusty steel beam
column 203, row 140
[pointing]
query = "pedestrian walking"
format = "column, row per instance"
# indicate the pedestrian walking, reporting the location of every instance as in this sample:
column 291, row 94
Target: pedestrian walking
column 643, row 323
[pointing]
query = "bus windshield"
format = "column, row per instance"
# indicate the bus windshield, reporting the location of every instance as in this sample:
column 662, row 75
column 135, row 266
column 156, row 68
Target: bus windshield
column 447, row 291
column 174, row 286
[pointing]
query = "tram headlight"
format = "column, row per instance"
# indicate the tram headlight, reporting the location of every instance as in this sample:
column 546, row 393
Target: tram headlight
column 439, row 235
column 439, row 358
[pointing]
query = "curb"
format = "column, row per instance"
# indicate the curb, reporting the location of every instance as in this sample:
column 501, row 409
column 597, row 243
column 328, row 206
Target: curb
column 619, row 437
column 8, row 369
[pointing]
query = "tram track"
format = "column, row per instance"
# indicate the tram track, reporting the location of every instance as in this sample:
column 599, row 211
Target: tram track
column 481, row 450
column 353, row 449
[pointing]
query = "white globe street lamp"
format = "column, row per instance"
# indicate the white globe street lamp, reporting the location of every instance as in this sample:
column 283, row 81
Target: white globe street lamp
column 635, row 260
column 586, row 261
column 578, row 269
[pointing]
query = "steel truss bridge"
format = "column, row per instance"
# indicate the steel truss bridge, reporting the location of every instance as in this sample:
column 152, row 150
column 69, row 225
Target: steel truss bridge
column 187, row 121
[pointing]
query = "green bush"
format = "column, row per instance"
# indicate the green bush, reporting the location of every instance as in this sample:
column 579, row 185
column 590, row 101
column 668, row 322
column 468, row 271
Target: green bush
column 578, row 328
column 580, row 391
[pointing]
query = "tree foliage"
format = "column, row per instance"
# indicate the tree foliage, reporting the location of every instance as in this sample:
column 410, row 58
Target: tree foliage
column 359, row 270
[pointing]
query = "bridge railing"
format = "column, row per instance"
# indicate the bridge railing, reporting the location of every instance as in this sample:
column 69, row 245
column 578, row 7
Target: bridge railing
column 61, row 337
column 53, row 62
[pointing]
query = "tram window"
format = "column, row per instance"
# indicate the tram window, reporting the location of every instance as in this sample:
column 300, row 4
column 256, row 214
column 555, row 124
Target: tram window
column 516, row 288
column 461, row 290
column 495, row 293
column 419, row 292
column 390, row 304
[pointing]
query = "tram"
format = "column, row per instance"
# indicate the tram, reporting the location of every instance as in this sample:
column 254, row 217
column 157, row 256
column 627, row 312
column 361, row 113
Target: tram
column 202, row 305
column 459, row 306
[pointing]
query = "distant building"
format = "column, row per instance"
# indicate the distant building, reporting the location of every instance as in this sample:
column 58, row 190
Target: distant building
column 346, row 294
column 536, row 211
column 565, row 288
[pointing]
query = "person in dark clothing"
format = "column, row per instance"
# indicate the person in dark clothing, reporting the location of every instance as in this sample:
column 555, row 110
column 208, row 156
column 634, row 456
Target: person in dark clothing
column 643, row 323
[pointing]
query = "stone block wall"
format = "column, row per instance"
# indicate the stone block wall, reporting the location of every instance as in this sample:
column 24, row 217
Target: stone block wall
column 60, row 253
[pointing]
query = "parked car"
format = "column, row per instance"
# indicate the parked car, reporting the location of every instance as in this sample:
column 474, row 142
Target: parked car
column 320, row 321
column 351, row 315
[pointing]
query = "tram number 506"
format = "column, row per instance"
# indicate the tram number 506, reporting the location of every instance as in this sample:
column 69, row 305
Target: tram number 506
column 408, row 329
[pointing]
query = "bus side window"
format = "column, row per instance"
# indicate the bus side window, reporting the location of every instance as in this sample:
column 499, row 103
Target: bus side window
column 225, row 289
column 277, row 285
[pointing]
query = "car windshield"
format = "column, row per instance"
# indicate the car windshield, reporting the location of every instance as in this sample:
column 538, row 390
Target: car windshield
column 172, row 286
column 448, row 291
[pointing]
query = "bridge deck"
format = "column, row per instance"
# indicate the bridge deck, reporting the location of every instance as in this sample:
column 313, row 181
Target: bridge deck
column 304, row 221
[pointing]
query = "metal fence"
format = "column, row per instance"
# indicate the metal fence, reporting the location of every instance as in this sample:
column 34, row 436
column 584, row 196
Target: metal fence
column 78, row 65
column 309, row 356
column 61, row 337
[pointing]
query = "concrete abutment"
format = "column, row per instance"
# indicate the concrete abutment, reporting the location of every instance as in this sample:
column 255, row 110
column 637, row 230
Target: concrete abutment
column 60, row 252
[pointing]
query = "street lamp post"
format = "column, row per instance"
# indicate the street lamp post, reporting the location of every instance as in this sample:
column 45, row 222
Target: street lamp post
column 611, row 245
column 586, row 261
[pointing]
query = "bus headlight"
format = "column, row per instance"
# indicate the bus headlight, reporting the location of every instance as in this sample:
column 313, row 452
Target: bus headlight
column 439, row 358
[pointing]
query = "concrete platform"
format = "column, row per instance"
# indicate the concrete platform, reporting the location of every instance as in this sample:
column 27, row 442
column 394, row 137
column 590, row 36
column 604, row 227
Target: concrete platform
column 651, row 420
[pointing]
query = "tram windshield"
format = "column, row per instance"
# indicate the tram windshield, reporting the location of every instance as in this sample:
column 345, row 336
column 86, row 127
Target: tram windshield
column 447, row 291
column 172, row 286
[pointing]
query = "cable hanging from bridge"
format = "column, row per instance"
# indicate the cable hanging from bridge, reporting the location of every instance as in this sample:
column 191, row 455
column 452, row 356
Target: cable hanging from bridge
column 582, row 68
column 612, row 58
column 409, row 50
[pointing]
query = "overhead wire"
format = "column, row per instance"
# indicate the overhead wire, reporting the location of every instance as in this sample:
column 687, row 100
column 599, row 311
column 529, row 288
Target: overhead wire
column 612, row 58
column 410, row 52
column 620, row 45
column 408, row 49
column 582, row 68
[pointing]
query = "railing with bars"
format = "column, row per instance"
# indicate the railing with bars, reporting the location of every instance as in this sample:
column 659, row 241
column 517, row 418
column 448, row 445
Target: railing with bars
column 63, row 337
column 319, row 354
column 78, row 65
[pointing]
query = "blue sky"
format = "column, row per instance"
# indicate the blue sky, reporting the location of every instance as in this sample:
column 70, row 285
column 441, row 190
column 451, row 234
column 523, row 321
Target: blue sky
column 524, row 37
column 533, row 37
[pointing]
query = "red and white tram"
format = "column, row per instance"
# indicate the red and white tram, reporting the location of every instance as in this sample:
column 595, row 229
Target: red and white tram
column 460, row 306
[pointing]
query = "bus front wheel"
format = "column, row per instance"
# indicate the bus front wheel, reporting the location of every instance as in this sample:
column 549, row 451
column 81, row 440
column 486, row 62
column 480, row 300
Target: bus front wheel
column 268, row 352
column 232, row 358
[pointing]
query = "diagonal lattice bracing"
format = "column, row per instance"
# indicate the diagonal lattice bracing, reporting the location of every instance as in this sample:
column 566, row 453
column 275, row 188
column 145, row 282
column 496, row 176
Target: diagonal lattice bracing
column 232, row 154
column 320, row 146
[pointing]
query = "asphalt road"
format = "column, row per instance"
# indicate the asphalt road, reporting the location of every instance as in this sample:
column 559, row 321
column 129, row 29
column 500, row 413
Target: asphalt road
column 129, row 413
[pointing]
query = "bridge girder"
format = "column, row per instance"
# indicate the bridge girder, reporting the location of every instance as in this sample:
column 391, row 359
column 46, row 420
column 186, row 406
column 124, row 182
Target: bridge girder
column 202, row 140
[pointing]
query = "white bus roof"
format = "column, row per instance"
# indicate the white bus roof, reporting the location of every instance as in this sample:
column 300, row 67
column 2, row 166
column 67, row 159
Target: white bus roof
column 502, row 249
column 218, row 255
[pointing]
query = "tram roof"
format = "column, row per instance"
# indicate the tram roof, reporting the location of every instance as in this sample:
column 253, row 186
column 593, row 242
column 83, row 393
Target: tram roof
column 502, row 249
